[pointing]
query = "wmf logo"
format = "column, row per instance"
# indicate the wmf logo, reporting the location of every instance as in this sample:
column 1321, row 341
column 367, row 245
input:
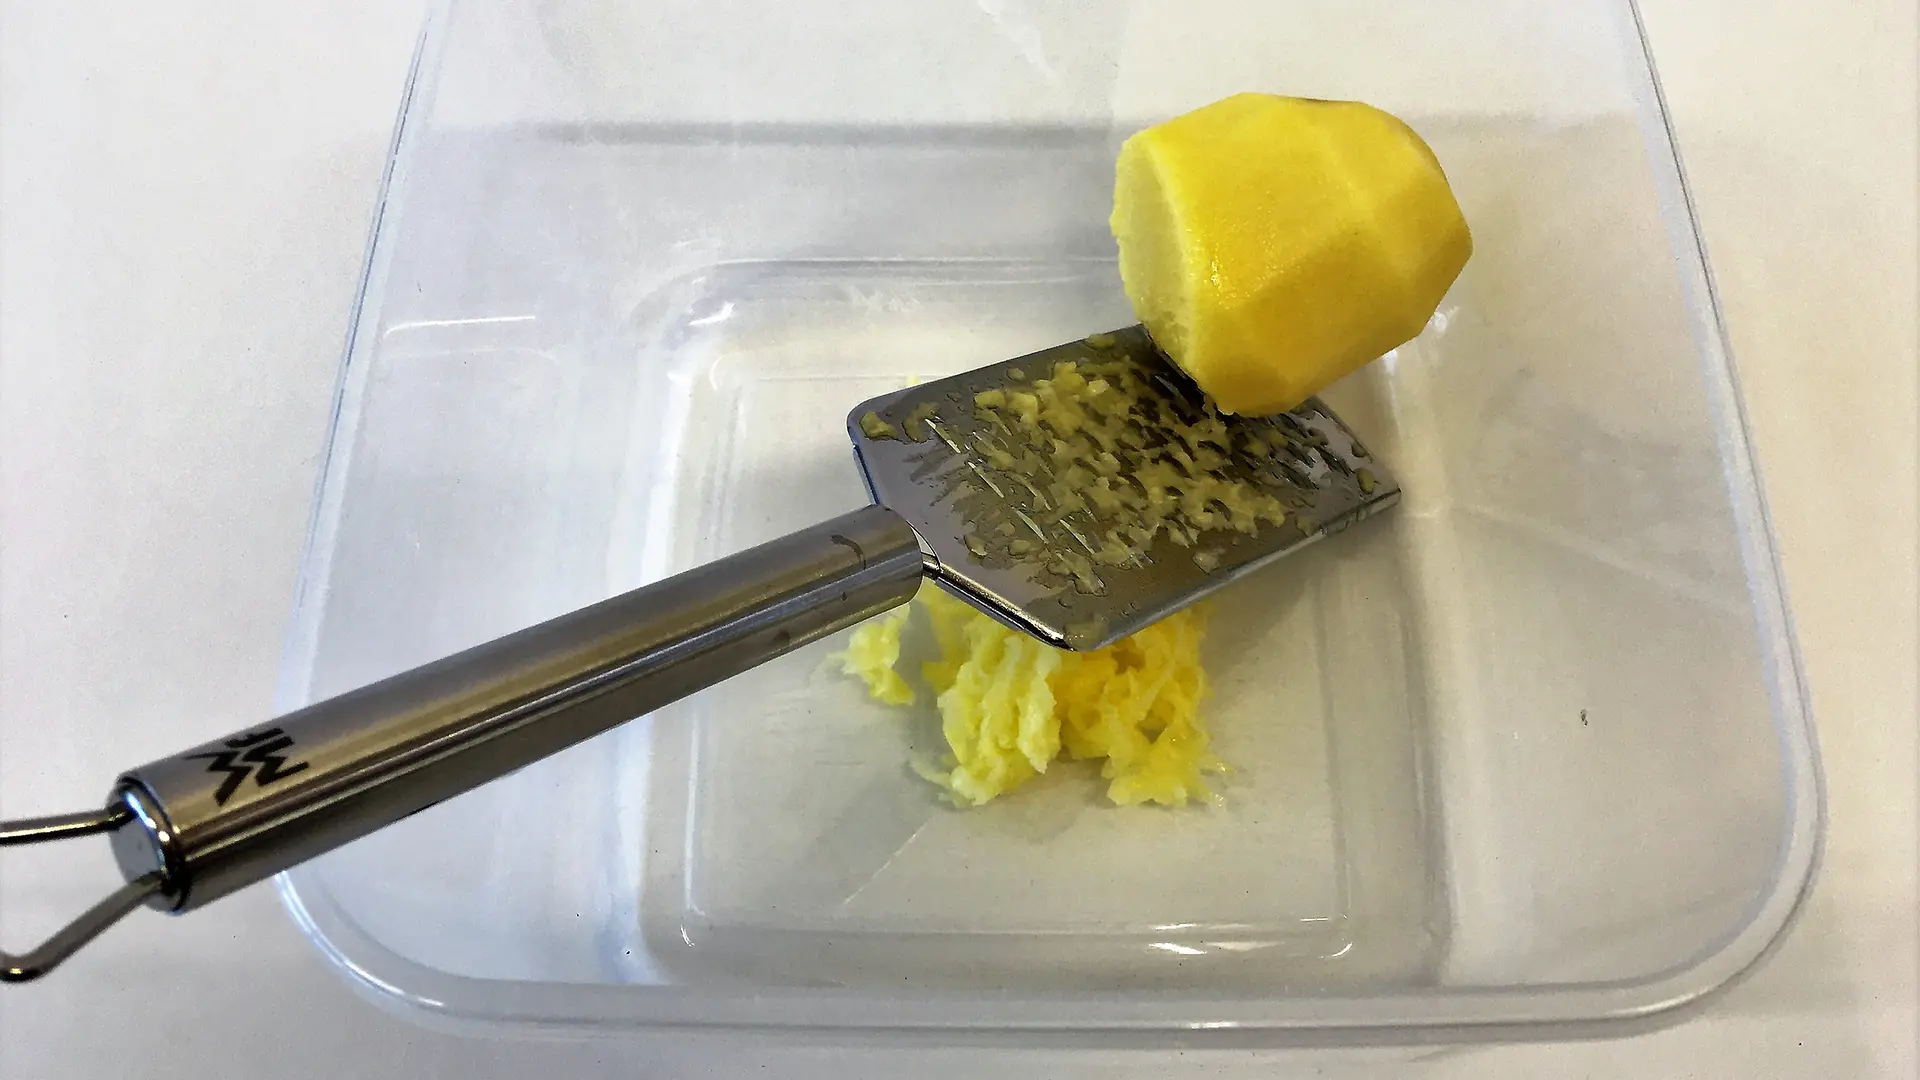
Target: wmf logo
column 259, row 754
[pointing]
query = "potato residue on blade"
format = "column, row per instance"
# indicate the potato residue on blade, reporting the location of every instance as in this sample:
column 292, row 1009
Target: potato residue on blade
column 1096, row 465
column 1010, row 705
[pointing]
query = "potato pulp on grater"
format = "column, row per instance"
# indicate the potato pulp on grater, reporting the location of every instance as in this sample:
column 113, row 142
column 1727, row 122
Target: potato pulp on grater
column 1009, row 704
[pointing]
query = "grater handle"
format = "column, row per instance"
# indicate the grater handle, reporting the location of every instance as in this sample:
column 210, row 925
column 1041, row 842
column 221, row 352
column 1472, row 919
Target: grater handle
column 234, row 811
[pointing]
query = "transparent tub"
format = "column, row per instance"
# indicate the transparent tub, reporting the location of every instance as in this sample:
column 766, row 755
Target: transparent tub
column 1528, row 755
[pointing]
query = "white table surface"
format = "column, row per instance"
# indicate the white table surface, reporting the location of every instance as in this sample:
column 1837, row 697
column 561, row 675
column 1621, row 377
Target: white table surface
column 184, row 199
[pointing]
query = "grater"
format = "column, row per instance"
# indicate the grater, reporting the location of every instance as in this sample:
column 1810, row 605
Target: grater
column 1078, row 536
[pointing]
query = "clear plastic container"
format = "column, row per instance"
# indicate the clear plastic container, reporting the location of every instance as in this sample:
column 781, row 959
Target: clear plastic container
column 1527, row 755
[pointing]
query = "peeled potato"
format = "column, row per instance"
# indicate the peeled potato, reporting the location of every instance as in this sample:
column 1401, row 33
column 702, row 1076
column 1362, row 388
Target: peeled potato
column 1271, row 244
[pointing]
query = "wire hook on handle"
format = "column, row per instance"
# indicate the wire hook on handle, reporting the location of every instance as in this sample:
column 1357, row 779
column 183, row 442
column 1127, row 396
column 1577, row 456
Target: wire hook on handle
column 48, row 954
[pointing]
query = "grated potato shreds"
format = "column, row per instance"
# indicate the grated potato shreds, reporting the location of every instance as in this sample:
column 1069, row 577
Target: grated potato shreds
column 1010, row 705
column 871, row 654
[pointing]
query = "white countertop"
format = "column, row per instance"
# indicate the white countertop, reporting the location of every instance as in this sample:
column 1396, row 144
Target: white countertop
column 184, row 202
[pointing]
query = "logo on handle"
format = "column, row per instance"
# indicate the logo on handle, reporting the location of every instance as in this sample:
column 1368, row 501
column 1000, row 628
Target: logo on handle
column 259, row 754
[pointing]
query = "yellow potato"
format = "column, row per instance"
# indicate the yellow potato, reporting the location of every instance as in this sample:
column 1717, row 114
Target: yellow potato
column 1271, row 244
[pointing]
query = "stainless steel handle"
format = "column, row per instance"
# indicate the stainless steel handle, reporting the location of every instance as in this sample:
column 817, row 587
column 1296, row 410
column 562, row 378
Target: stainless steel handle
column 234, row 811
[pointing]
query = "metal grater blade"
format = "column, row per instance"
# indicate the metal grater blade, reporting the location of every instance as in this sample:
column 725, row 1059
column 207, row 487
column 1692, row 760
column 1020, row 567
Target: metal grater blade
column 925, row 454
